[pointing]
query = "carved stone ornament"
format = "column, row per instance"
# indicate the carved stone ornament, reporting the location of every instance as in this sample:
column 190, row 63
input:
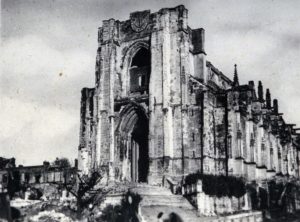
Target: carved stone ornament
column 139, row 20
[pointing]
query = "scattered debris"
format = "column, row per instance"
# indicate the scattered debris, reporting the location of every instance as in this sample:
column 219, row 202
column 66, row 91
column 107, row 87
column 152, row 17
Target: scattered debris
column 50, row 216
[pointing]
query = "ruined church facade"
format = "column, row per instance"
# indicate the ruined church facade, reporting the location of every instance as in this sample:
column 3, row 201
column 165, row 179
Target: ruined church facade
column 160, row 109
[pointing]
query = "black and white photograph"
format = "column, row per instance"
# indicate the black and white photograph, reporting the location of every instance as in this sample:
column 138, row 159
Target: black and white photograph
column 150, row 111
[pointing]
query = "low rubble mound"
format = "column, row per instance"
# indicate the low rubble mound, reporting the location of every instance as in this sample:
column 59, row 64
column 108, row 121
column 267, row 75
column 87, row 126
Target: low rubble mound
column 52, row 215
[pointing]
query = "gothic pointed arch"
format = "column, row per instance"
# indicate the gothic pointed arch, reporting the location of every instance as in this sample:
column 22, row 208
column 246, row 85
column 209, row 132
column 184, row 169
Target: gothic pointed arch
column 132, row 131
column 136, row 65
column 132, row 50
column 129, row 115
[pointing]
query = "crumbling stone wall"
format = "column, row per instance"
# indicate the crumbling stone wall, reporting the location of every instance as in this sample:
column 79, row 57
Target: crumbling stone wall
column 198, row 119
column 87, row 143
column 171, row 44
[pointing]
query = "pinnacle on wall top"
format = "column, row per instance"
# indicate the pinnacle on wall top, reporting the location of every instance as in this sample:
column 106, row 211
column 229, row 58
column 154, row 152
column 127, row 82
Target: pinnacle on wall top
column 235, row 77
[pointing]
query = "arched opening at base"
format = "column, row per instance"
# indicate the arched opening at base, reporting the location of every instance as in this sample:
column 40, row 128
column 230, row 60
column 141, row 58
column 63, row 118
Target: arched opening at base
column 140, row 151
column 134, row 151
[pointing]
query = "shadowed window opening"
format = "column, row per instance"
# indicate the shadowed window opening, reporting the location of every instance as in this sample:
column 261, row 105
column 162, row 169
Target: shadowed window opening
column 27, row 177
column 140, row 72
column 38, row 178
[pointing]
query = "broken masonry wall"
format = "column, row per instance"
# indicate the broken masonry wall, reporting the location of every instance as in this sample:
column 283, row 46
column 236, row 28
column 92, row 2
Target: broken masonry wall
column 86, row 158
column 190, row 129
column 215, row 133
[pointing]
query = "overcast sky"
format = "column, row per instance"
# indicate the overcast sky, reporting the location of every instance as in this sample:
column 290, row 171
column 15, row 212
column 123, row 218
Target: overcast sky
column 49, row 47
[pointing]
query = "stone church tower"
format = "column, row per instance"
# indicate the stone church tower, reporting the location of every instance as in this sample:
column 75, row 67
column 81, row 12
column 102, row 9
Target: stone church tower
column 159, row 109
column 135, row 120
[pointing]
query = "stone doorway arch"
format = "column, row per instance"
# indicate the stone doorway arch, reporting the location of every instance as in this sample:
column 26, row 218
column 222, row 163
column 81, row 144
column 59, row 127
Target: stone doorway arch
column 133, row 131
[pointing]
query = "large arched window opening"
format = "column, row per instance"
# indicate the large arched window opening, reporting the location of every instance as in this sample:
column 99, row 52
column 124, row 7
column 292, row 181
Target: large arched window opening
column 140, row 72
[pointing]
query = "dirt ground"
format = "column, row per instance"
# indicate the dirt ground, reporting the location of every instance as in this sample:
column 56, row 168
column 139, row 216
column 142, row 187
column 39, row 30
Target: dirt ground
column 30, row 210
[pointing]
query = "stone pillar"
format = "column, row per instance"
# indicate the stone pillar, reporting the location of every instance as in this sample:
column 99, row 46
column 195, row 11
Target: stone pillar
column 252, row 142
column 294, row 160
column 155, row 107
column 267, row 147
column 57, row 177
column 184, row 139
column 289, row 163
column 166, row 77
column 129, row 158
column 101, row 112
column 239, row 136
column 184, row 71
column 275, row 154
column 112, row 71
column 42, row 177
column 283, row 160
column 291, row 159
column 258, row 144
column 111, row 149
column 46, row 176
column 31, row 178
column 201, row 202
column 22, row 177
column 198, row 40
column 271, row 151
column 246, row 203
column 232, row 116
column 248, row 153
column 280, row 158
column 98, row 130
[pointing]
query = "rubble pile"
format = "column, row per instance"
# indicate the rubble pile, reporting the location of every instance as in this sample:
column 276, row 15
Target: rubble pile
column 50, row 216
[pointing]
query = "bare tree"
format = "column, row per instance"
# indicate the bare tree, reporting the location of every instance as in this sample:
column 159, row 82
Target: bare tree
column 86, row 190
